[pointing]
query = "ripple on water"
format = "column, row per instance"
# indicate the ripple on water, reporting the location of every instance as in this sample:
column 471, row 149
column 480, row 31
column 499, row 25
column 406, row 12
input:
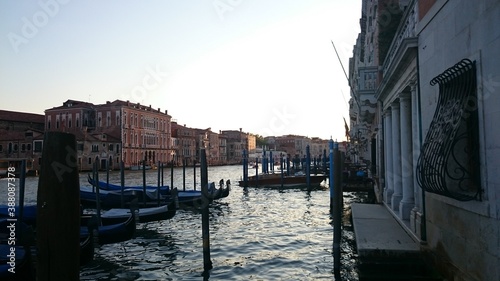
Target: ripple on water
column 256, row 234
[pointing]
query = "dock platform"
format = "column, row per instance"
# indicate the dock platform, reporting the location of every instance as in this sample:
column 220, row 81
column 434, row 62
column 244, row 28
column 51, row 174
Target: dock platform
column 385, row 250
column 379, row 234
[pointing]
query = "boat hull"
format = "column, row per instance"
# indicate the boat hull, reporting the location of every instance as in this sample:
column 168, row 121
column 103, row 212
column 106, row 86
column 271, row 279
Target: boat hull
column 291, row 182
column 143, row 215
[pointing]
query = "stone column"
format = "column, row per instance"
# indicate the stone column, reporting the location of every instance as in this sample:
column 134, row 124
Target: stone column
column 407, row 203
column 416, row 212
column 396, row 156
column 389, row 190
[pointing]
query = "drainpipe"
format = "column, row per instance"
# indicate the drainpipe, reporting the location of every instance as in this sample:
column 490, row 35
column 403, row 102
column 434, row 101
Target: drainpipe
column 424, row 222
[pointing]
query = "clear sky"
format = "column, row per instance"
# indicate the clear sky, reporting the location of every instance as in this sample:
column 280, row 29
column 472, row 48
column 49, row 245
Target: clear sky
column 267, row 67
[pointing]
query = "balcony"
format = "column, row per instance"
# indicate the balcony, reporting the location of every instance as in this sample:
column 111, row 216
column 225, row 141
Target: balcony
column 403, row 49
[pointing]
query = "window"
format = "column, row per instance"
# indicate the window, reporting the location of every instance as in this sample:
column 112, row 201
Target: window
column 95, row 148
column 449, row 160
column 28, row 146
column 1, row 148
column 37, row 146
column 110, row 147
column 90, row 161
column 23, row 147
column 79, row 146
column 15, row 147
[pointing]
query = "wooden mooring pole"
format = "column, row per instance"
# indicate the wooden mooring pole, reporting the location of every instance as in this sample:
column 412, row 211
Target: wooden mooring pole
column 58, row 210
column 308, row 168
column 144, row 182
column 337, row 209
column 122, row 183
column 194, row 175
column 205, row 229
column 257, row 172
column 245, row 168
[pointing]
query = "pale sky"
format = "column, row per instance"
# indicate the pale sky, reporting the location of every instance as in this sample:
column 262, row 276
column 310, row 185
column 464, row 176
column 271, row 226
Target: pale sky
column 265, row 66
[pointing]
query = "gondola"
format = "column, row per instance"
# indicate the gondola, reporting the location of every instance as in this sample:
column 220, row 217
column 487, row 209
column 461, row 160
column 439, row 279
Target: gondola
column 164, row 190
column 29, row 213
column 143, row 215
column 113, row 199
column 113, row 233
column 86, row 249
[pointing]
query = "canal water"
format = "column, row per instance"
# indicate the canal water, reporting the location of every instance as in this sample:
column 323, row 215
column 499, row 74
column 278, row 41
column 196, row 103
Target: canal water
column 255, row 234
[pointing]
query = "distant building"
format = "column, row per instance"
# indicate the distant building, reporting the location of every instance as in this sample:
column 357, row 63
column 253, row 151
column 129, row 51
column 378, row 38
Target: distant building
column 237, row 141
column 184, row 141
column 21, row 138
column 113, row 132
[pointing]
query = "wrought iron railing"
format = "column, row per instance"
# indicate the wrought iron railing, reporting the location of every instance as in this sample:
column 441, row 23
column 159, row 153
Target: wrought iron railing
column 449, row 160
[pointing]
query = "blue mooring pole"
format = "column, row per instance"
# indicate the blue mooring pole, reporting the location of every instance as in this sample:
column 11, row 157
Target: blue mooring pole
column 337, row 209
column 330, row 178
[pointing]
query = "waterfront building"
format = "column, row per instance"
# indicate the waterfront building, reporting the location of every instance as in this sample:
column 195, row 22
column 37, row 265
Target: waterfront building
column 21, row 138
column 237, row 141
column 183, row 143
column 113, row 132
column 431, row 141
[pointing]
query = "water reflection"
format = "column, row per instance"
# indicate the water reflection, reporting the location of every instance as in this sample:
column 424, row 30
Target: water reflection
column 255, row 234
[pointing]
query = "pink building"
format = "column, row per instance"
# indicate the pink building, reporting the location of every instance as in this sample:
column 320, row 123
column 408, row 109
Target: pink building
column 113, row 132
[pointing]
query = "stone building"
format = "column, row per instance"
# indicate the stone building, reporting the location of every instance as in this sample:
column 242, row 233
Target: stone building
column 237, row 141
column 113, row 132
column 184, row 141
column 21, row 138
column 432, row 141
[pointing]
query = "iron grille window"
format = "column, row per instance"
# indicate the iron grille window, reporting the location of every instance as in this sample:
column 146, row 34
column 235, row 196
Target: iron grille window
column 449, row 161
